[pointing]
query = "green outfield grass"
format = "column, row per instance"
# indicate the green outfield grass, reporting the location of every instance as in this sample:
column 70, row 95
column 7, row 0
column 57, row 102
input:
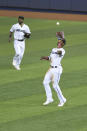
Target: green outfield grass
column 22, row 92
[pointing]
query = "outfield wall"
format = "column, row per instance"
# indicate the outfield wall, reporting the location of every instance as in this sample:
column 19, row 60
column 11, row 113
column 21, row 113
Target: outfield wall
column 65, row 5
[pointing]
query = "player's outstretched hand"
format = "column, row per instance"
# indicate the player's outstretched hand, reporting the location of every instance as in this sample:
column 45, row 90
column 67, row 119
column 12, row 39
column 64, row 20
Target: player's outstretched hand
column 60, row 34
column 41, row 58
column 44, row 58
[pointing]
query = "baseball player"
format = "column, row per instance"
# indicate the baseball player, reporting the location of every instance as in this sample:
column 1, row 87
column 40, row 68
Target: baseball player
column 21, row 32
column 54, row 73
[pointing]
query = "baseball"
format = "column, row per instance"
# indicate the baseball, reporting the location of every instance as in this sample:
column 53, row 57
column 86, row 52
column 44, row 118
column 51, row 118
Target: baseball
column 57, row 23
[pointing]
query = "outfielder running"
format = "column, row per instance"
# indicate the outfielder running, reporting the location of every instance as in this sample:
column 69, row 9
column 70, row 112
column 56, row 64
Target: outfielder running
column 54, row 72
column 21, row 32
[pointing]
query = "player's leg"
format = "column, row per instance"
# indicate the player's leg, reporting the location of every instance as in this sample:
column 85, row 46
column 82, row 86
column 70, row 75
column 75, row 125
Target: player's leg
column 46, row 82
column 17, row 55
column 22, row 49
column 56, row 80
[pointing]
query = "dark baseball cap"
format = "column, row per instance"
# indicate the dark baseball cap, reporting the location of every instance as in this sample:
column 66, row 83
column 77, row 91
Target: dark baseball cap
column 21, row 17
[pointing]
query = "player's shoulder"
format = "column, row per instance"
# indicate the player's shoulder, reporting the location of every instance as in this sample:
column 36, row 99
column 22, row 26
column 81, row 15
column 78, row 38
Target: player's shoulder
column 14, row 25
column 63, row 50
column 26, row 26
column 54, row 49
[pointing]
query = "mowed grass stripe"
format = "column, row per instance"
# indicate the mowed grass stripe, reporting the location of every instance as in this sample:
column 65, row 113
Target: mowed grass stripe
column 18, row 106
column 70, row 118
column 22, row 88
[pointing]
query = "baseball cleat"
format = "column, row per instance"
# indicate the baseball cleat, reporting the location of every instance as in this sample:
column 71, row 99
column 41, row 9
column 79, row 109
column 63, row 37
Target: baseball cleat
column 48, row 102
column 62, row 103
column 17, row 67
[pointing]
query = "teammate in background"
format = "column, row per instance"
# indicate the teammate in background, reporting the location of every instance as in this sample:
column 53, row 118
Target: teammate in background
column 54, row 73
column 21, row 32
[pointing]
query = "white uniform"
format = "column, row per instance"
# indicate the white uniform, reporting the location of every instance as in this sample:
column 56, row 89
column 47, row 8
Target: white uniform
column 53, row 74
column 19, row 41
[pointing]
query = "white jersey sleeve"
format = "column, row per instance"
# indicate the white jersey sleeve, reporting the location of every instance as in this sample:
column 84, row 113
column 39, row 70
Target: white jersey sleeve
column 27, row 30
column 12, row 28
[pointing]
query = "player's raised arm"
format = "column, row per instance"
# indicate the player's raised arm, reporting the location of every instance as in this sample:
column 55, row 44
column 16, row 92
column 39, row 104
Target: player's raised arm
column 60, row 35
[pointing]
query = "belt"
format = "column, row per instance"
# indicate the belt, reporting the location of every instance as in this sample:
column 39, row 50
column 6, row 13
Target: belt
column 21, row 40
column 54, row 66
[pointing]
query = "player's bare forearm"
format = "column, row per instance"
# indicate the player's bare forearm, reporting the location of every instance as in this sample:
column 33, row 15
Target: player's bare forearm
column 44, row 58
column 10, row 36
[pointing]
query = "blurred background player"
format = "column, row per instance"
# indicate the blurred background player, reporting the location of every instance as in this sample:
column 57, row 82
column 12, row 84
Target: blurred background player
column 54, row 72
column 21, row 32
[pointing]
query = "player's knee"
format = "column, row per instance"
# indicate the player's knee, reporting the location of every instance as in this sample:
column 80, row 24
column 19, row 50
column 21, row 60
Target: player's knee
column 21, row 54
column 17, row 55
column 54, row 85
column 45, row 82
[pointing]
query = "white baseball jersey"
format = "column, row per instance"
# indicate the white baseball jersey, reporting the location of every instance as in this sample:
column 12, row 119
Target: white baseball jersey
column 56, row 58
column 19, row 31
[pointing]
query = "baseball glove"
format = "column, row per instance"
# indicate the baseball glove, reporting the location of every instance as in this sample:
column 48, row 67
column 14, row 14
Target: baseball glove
column 26, row 35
